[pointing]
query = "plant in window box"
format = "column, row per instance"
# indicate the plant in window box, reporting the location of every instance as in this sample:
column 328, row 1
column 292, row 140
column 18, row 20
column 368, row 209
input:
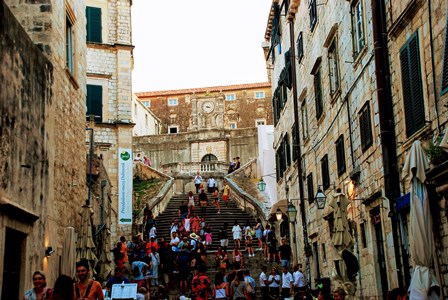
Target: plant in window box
column 308, row 250
column 436, row 154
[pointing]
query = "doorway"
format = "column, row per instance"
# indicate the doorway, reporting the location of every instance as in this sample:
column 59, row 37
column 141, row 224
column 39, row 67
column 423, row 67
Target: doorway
column 12, row 263
column 381, row 256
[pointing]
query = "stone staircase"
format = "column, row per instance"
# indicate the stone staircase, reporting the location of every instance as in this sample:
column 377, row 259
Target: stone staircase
column 215, row 220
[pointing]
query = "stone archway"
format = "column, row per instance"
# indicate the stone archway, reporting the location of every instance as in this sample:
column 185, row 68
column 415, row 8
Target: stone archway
column 209, row 157
column 208, row 163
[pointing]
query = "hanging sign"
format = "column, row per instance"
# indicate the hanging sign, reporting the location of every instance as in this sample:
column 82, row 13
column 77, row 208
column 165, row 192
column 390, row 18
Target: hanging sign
column 124, row 186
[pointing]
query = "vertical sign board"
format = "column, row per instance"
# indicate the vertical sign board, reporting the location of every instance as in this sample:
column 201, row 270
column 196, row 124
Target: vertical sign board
column 124, row 186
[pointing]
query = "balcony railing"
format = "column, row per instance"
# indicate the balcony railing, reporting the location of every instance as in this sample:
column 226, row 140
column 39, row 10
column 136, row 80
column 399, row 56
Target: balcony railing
column 191, row 168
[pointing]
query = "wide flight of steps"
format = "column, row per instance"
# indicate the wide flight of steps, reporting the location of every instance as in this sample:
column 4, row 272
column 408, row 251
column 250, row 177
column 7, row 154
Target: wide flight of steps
column 228, row 214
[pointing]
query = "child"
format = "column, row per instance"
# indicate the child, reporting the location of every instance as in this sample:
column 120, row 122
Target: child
column 208, row 236
column 187, row 224
column 203, row 225
column 190, row 202
column 216, row 200
column 250, row 250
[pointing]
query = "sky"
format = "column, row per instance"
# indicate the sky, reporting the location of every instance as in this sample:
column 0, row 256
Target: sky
column 198, row 43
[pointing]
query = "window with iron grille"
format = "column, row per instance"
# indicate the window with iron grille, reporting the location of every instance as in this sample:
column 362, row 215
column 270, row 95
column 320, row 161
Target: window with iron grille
column 318, row 94
column 340, row 155
column 357, row 28
column 411, row 75
column 310, row 187
column 313, row 14
column 365, row 127
column 325, row 172
column 445, row 63
column 300, row 47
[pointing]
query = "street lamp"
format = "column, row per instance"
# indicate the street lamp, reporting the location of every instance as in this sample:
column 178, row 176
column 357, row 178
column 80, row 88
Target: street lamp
column 292, row 213
column 278, row 214
column 320, row 199
column 261, row 185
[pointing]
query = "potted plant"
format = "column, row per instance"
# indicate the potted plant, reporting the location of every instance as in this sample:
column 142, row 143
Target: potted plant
column 436, row 154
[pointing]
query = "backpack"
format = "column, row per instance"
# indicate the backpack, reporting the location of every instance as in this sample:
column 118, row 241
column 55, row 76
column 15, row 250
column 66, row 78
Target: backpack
column 249, row 287
column 252, row 232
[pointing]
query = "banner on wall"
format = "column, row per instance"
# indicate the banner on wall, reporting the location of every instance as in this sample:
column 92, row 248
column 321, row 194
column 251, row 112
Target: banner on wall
column 124, row 186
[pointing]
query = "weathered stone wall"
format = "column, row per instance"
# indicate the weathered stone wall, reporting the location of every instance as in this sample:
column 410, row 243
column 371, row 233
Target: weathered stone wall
column 26, row 76
column 45, row 22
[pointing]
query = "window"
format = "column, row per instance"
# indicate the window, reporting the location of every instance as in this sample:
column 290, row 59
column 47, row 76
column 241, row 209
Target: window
column 135, row 110
column 340, row 155
column 316, row 260
column 93, row 15
column 333, row 67
column 300, row 47
column 230, row 97
column 146, row 103
column 363, row 235
column 232, row 125
column 172, row 102
column 146, row 119
column 94, row 102
column 173, row 129
column 324, row 254
column 318, row 94
column 304, row 120
column 445, row 64
column 313, row 14
column 287, row 151
column 310, row 187
column 259, row 95
column 295, row 144
column 411, row 76
column 70, row 45
column 357, row 28
column 325, row 172
column 366, row 127
column 259, row 122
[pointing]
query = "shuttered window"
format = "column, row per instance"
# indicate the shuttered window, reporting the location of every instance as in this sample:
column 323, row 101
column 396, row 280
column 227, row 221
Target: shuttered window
column 288, row 69
column 93, row 15
column 310, row 187
column 313, row 14
column 445, row 63
column 411, row 76
column 325, row 172
column 94, row 102
column 295, row 144
column 365, row 127
column 318, row 94
column 287, row 145
column 300, row 47
column 340, row 155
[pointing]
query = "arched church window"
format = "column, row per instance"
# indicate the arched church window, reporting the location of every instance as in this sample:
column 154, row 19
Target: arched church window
column 209, row 157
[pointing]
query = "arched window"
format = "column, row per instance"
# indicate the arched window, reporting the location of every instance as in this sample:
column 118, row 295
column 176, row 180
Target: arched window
column 209, row 157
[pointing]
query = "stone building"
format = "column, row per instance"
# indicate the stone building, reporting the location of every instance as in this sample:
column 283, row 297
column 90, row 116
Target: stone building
column 109, row 90
column 219, row 107
column 146, row 122
column 340, row 123
column 42, row 133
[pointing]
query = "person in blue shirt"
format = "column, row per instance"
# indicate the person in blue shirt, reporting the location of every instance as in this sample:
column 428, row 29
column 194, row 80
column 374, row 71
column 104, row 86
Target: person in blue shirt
column 118, row 278
column 248, row 279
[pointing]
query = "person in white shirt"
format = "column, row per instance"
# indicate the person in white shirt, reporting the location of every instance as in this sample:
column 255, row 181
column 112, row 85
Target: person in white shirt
column 236, row 233
column 174, row 242
column 299, row 279
column 263, row 284
column 274, row 281
column 197, row 181
column 287, row 283
column 211, row 185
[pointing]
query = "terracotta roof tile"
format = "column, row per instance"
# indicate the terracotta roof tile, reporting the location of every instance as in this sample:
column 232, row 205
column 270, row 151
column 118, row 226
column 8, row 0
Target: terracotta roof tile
column 204, row 89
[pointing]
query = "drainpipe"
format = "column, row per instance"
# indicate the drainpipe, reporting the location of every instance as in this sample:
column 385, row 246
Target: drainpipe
column 434, row 82
column 90, row 167
column 387, row 124
column 298, row 149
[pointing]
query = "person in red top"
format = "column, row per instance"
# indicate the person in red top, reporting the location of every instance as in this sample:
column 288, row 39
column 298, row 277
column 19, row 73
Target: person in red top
column 124, row 249
column 85, row 288
column 200, row 286
column 150, row 244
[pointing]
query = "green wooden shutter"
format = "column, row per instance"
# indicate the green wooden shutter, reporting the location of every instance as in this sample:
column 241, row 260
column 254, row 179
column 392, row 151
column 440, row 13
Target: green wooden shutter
column 310, row 187
column 340, row 155
column 325, row 172
column 411, row 75
column 366, row 127
column 287, row 149
column 95, row 102
column 445, row 64
column 318, row 94
column 93, row 15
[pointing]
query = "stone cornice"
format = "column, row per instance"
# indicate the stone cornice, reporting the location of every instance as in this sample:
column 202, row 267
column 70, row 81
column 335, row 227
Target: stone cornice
column 110, row 46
